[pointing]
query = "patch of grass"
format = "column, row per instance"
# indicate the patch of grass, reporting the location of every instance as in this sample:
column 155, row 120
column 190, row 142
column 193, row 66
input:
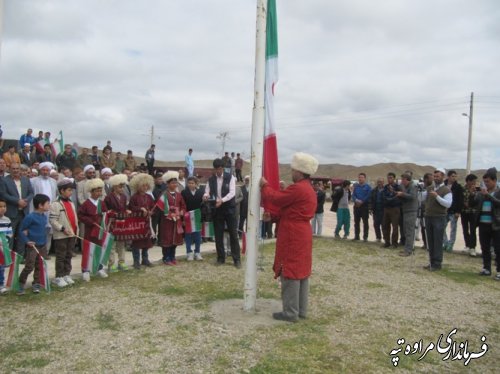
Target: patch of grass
column 37, row 362
column 106, row 321
column 299, row 354
column 172, row 290
column 372, row 285
column 460, row 276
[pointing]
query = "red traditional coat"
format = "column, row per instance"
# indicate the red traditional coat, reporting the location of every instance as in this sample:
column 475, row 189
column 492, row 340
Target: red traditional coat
column 170, row 234
column 87, row 214
column 138, row 201
column 297, row 205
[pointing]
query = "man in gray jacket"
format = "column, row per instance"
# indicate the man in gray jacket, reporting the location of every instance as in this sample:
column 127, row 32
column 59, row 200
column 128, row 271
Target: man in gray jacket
column 409, row 200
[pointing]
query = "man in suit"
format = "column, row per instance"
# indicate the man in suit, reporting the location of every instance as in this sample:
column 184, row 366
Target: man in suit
column 18, row 193
column 43, row 184
column 26, row 156
column 221, row 188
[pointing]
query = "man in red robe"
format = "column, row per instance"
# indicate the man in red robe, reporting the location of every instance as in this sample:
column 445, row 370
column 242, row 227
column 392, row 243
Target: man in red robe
column 293, row 258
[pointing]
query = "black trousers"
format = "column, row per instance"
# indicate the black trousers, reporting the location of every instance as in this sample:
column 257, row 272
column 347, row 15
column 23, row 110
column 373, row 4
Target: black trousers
column 487, row 238
column 469, row 229
column 361, row 213
column 225, row 217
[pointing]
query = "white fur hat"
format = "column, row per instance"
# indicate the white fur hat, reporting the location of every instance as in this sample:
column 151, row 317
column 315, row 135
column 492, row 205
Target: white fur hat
column 170, row 175
column 305, row 163
column 141, row 178
column 106, row 171
column 92, row 184
column 118, row 179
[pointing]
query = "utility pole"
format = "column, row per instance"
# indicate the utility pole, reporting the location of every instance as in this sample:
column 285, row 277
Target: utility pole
column 1, row 25
column 223, row 136
column 469, row 141
column 152, row 135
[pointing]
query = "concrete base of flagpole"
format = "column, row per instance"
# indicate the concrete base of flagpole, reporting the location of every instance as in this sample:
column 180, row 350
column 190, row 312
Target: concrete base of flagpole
column 232, row 316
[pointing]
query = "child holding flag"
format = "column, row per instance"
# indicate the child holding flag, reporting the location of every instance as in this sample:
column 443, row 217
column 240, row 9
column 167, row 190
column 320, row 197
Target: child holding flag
column 116, row 202
column 142, row 201
column 5, row 237
column 193, row 198
column 33, row 233
column 64, row 221
column 91, row 214
column 171, row 220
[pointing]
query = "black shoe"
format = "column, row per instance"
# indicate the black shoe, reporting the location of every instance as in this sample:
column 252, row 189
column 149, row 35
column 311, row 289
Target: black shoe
column 219, row 263
column 435, row 268
column 485, row 272
column 385, row 245
column 365, row 240
column 394, row 246
column 147, row 263
column 427, row 267
column 281, row 317
column 302, row 317
column 355, row 239
column 137, row 265
column 237, row 264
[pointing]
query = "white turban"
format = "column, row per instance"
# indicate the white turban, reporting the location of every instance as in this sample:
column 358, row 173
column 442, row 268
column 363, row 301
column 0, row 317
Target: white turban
column 88, row 167
column 46, row 164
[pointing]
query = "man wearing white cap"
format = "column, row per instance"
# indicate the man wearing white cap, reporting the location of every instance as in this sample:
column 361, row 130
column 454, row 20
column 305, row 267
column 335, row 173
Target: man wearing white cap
column 83, row 194
column 25, row 155
column 293, row 258
column 438, row 199
column 45, row 185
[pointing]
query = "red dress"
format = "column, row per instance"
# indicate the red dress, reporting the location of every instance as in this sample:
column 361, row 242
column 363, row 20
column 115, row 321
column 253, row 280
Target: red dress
column 168, row 228
column 138, row 201
column 297, row 205
column 87, row 214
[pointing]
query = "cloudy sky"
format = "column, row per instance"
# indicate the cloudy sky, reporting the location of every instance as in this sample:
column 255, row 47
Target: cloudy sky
column 361, row 81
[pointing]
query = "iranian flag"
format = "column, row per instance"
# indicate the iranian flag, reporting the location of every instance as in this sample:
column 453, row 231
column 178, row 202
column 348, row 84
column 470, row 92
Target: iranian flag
column 102, row 226
column 243, row 242
column 40, row 144
column 13, row 278
column 107, row 245
column 44, row 273
column 5, row 256
column 270, row 160
column 58, row 145
column 207, row 230
column 162, row 203
column 192, row 220
column 88, row 253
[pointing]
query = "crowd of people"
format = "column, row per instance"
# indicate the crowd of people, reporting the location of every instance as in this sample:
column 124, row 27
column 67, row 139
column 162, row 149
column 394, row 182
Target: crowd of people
column 403, row 211
column 55, row 202
column 59, row 203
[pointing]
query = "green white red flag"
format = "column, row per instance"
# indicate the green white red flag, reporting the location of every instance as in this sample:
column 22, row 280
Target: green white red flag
column 192, row 221
column 5, row 256
column 162, row 203
column 270, row 164
column 207, row 230
column 58, row 145
column 44, row 273
column 13, row 278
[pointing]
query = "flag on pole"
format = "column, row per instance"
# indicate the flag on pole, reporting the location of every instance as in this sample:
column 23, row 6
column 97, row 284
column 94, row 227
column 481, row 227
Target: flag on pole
column 107, row 245
column 88, row 252
column 40, row 144
column 13, row 278
column 207, row 230
column 270, row 164
column 58, row 145
column 192, row 220
column 102, row 226
column 5, row 256
column 162, row 203
column 44, row 273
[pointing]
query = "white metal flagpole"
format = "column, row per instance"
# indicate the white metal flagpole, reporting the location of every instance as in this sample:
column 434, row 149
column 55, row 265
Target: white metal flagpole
column 258, row 120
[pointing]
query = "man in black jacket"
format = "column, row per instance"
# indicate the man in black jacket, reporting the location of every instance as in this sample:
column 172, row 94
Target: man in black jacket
column 317, row 221
column 454, row 210
column 244, row 205
column 221, row 188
